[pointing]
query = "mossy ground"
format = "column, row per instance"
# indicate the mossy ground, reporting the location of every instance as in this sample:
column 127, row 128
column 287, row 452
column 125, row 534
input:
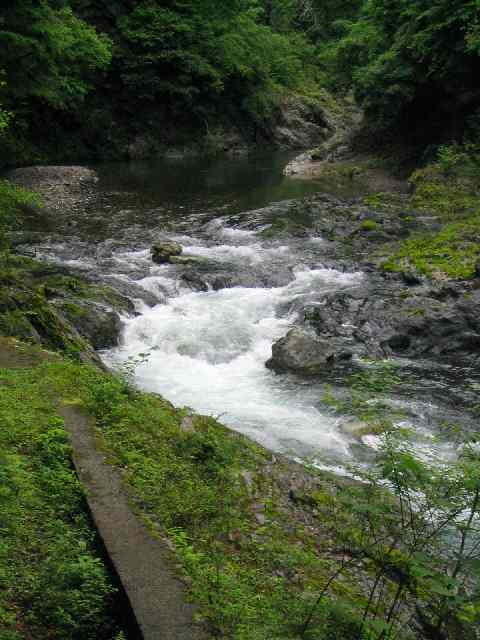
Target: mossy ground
column 454, row 250
column 26, row 289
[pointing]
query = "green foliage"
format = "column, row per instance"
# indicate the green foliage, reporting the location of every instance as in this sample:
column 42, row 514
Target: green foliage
column 197, row 53
column 448, row 189
column 48, row 53
column 401, row 55
column 5, row 116
column 52, row 581
column 339, row 560
column 453, row 251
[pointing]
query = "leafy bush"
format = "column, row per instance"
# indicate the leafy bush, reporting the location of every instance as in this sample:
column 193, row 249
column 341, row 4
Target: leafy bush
column 197, row 54
column 48, row 53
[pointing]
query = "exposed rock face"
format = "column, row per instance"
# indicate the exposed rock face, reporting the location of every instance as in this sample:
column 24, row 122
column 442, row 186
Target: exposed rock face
column 162, row 252
column 379, row 322
column 303, row 124
column 300, row 125
column 99, row 325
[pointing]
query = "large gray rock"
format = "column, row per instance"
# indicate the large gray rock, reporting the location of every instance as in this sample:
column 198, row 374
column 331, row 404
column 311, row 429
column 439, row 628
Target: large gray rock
column 163, row 252
column 32, row 177
column 303, row 352
column 94, row 322
column 381, row 321
column 64, row 191
column 300, row 124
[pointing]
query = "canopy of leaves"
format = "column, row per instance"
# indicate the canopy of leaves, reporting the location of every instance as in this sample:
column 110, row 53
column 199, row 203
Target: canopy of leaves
column 407, row 57
column 194, row 54
column 49, row 53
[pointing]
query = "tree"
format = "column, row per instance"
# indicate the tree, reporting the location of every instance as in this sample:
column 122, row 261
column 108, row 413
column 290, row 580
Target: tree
column 410, row 59
column 197, row 54
column 48, row 53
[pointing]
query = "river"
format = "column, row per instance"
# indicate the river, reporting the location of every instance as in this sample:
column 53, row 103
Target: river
column 206, row 349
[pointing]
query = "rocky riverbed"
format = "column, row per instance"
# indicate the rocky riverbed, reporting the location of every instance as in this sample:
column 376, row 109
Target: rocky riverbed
column 251, row 313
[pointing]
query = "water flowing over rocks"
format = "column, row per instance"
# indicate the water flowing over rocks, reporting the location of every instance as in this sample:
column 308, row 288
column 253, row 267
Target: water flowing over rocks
column 295, row 285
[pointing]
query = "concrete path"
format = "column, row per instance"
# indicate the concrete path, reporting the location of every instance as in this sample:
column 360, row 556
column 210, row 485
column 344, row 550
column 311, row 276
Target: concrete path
column 142, row 562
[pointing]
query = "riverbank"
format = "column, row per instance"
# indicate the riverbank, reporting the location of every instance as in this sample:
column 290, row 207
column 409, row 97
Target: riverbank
column 267, row 547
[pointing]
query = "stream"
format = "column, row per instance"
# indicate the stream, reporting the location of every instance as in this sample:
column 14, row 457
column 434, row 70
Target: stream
column 205, row 347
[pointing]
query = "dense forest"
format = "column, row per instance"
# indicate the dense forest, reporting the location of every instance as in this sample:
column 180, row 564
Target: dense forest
column 82, row 78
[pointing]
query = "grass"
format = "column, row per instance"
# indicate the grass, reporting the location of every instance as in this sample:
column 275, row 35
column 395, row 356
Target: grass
column 53, row 582
column 270, row 550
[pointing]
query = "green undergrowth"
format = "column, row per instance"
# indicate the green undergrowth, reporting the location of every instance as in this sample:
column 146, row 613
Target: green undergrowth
column 363, row 397
column 449, row 190
column 269, row 549
column 13, row 200
column 53, row 582
column 255, row 568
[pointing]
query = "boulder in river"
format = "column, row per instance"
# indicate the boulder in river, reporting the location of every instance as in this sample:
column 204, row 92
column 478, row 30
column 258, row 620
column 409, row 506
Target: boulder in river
column 477, row 269
column 378, row 321
column 303, row 352
column 163, row 252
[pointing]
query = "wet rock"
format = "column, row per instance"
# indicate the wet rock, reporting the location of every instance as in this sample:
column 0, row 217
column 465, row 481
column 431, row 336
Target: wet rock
column 206, row 275
column 94, row 322
column 185, row 260
column 136, row 292
column 355, row 428
column 412, row 278
column 162, row 252
column 303, row 352
column 378, row 321
column 194, row 281
column 298, row 164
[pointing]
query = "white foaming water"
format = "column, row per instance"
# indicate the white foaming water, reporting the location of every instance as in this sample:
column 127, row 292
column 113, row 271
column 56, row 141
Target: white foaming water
column 208, row 352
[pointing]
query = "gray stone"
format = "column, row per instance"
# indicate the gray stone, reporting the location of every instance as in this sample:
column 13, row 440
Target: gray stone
column 477, row 269
column 187, row 424
column 376, row 321
column 93, row 321
column 301, row 351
